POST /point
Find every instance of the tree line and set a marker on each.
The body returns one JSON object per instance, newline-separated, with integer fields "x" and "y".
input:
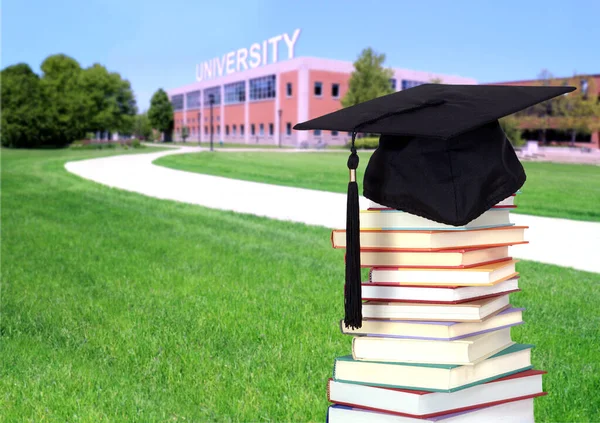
{"x": 63, "y": 104}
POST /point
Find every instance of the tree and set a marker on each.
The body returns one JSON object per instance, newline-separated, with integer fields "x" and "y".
{"x": 185, "y": 132}
{"x": 161, "y": 113}
{"x": 435, "y": 81}
{"x": 578, "y": 111}
{"x": 66, "y": 100}
{"x": 24, "y": 112}
{"x": 110, "y": 103}
{"x": 510, "y": 126}
{"x": 369, "y": 79}
{"x": 540, "y": 114}
{"x": 141, "y": 127}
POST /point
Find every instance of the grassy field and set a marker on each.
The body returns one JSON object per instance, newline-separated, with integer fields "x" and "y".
{"x": 555, "y": 190}
{"x": 118, "y": 307}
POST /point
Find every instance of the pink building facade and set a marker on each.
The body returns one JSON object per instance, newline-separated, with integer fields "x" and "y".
{"x": 261, "y": 105}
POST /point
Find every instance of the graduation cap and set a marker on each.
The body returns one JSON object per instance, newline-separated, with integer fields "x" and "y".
{"x": 442, "y": 155}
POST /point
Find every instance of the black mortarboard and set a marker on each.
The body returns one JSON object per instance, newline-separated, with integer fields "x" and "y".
{"x": 442, "y": 155}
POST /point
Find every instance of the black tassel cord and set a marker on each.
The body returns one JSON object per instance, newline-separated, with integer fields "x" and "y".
{"x": 352, "y": 290}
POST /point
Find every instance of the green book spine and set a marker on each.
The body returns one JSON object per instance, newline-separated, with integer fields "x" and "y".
{"x": 421, "y": 388}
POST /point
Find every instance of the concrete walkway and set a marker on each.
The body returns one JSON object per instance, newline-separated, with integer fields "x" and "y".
{"x": 562, "y": 242}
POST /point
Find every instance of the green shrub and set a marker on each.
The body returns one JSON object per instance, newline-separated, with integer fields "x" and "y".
{"x": 135, "y": 143}
{"x": 510, "y": 126}
{"x": 365, "y": 143}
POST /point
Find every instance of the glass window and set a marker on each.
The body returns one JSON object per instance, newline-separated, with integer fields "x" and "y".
{"x": 335, "y": 90}
{"x": 393, "y": 83}
{"x": 584, "y": 87}
{"x": 218, "y": 129}
{"x": 270, "y": 129}
{"x": 252, "y": 129}
{"x": 263, "y": 87}
{"x": 241, "y": 129}
{"x": 406, "y": 84}
{"x": 206, "y": 130}
{"x": 214, "y": 91}
{"x": 334, "y": 133}
{"x": 177, "y": 102}
{"x": 289, "y": 89}
{"x": 318, "y": 89}
{"x": 317, "y": 132}
{"x": 262, "y": 129}
{"x": 192, "y": 100}
{"x": 226, "y": 129}
{"x": 235, "y": 92}
{"x": 288, "y": 128}
{"x": 233, "y": 130}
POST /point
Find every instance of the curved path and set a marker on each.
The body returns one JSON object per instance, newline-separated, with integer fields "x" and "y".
{"x": 562, "y": 242}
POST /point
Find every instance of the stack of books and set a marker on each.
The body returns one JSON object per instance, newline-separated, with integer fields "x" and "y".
{"x": 435, "y": 342}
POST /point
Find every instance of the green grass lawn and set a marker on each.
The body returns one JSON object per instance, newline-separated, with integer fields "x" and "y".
{"x": 118, "y": 307}
{"x": 555, "y": 190}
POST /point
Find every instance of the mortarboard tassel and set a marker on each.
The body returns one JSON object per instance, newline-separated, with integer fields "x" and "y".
{"x": 352, "y": 290}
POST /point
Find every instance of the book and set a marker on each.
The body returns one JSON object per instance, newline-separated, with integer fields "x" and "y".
{"x": 433, "y": 240}
{"x": 448, "y": 331}
{"x": 520, "y": 411}
{"x": 472, "y": 311}
{"x": 463, "y": 258}
{"x": 508, "y": 202}
{"x": 436, "y": 294}
{"x": 396, "y": 219}
{"x": 433, "y": 377}
{"x": 465, "y": 351}
{"x": 483, "y": 275}
{"x": 424, "y": 404}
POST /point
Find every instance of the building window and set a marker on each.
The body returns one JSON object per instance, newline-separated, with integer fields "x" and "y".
{"x": 192, "y": 100}
{"x": 318, "y": 89}
{"x": 406, "y": 84}
{"x": 235, "y": 93}
{"x": 334, "y": 133}
{"x": 393, "y": 83}
{"x": 263, "y": 87}
{"x": 242, "y": 129}
{"x": 288, "y": 128}
{"x": 226, "y": 129}
{"x": 270, "y": 129}
{"x": 233, "y": 130}
{"x": 177, "y": 102}
{"x": 218, "y": 129}
{"x": 252, "y": 129}
{"x": 216, "y": 92}
{"x": 288, "y": 89}
{"x": 584, "y": 87}
{"x": 335, "y": 90}
{"x": 261, "y": 129}
{"x": 206, "y": 130}
{"x": 317, "y": 132}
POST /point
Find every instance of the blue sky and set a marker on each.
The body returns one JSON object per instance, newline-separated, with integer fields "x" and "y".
{"x": 158, "y": 43}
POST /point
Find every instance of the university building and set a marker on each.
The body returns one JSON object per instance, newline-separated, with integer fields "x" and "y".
{"x": 556, "y": 132}
{"x": 261, "y": 104}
